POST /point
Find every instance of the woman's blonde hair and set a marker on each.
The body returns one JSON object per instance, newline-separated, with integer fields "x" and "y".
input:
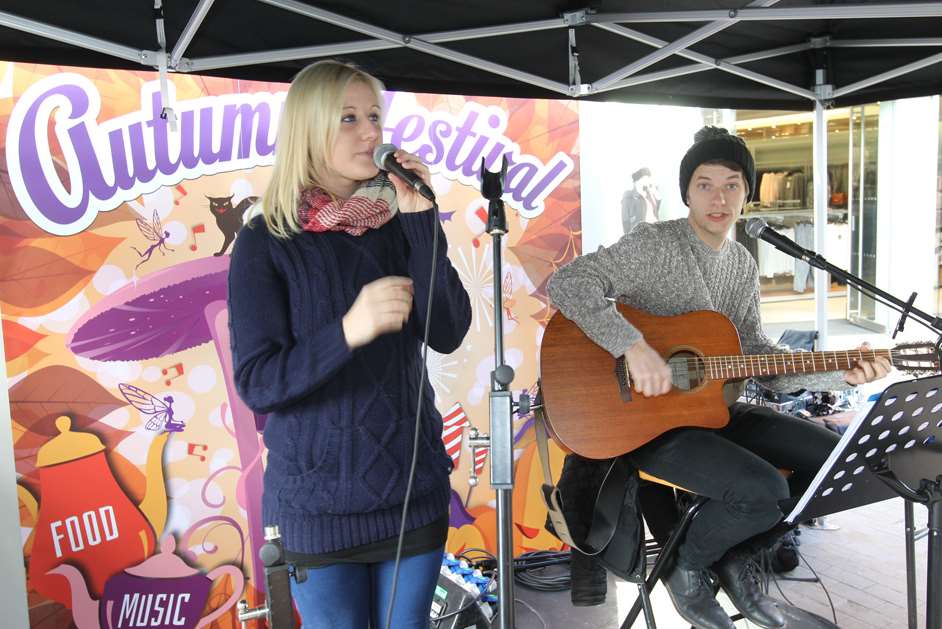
{"x": 309, "y": 123}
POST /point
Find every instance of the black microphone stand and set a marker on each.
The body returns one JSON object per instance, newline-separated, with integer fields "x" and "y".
{"x": 278, "y": 610}
{"x": 502, "y": 407}
{"x": 906, "y": 308}
{"x": 929, "y": 491}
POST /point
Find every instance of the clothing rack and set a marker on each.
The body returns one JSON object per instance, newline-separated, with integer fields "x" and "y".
{"x": 787, "y": 217}
{"x": 795, "y": 225}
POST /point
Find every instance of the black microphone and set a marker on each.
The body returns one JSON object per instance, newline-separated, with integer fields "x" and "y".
{"x": 384, "y": 160}
{"x": 758, "y": 228}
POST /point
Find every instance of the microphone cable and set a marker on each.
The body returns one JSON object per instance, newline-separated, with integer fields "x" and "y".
{"x": 530, "y": 571}
{"x": 418, "y": 422}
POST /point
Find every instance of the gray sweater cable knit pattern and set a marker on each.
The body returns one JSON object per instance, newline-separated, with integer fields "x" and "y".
{"x": 665, "y": 269}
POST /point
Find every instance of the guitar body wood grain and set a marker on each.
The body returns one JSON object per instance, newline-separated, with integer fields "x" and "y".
{"x": 583, "y": 406}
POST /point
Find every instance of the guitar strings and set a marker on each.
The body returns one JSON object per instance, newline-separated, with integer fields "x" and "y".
{"x": 804, "y": 357}
{"x": 900, "y": 356}
{"x": 719, "y": 366}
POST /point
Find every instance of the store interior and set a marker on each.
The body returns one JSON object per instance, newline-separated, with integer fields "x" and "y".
{"x": 782, "y": 145}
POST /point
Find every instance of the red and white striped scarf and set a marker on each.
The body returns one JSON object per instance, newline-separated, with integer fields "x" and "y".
{"x": 371, "y": 206}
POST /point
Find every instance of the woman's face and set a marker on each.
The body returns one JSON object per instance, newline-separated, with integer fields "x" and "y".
{"x": 351, "y": 158}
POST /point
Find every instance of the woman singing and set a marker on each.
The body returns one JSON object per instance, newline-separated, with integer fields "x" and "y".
{"x": 327, "y": 306}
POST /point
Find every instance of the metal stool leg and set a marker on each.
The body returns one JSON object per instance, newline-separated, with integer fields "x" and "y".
{"x": 660, "y": 566}
{"x": 646, "y": 605}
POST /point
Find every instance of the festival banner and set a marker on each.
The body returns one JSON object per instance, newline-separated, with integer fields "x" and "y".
{"x": 138, "y": 467}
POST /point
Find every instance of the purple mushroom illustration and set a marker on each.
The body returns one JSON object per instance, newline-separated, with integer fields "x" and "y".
{"x": 169, "y": 311}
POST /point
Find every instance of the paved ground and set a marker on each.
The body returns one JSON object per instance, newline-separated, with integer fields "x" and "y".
{"x": 862, "y": 565}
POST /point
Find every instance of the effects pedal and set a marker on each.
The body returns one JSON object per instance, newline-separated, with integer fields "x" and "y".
{"x": 463, "y": 597}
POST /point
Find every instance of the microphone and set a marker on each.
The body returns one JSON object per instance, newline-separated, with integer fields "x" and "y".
{"x": 758, "y": 228}
{"x": 384, "y": 160}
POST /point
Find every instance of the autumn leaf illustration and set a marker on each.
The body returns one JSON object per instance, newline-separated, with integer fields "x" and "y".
{"x": 218, "y": 596}
{"x": 20, "y": 231}
{"x": 9, "y": 205}
{"x": 120, "y": 214}
{"x": 86, "y": 250}
{"x": 18, "y": 339}
{"x": 31, "y": 277}
{"x": 546, "y": 245}
{"x": 25, "y": 362}
{"x": 39, "y": 398}
{"x": 46, "y": 614}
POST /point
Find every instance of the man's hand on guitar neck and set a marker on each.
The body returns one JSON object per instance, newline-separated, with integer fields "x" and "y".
{"x": 867, "y": 370}
{"x": 649, "y": 373}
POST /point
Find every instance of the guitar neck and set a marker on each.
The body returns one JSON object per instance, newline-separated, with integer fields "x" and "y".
{"x": 735, "y": 367}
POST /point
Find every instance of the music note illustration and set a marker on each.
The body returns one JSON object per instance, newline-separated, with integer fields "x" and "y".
{"x": 192, "y": 447}
{"x": 181, "y": 191}
{"x": 199, "y": 228}
{"x": 178, "y": 368}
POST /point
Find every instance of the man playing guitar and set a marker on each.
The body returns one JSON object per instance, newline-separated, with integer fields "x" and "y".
{"x": 679, "y": 266}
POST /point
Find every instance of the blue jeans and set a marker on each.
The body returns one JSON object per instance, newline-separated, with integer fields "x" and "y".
{"x": 356, "y": 595}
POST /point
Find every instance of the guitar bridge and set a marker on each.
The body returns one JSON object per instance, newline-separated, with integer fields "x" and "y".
{"x": 624, "y": 382}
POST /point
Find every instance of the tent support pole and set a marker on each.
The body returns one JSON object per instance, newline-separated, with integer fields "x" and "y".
{"x": 822, "y": 280}
{"x": 199, "y": 14}
{"x": 73, "y": 38}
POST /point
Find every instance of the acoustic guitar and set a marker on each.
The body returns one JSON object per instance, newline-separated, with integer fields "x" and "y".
{"x": 592, "y": 410}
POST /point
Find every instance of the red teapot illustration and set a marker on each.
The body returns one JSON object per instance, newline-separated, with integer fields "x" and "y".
{"x": 161, "y": 592}
{"x": 85, "y": 518}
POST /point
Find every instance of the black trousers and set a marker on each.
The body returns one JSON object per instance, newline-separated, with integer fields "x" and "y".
{"x": 737, "y": 468}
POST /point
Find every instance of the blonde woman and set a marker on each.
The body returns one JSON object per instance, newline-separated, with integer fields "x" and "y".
{"x": 327, "y": 299}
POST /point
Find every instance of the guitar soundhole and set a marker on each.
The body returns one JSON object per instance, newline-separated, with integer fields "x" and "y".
{"x": 687, "y": 370}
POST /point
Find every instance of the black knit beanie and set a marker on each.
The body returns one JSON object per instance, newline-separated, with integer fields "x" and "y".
{"x": 715, "y": 143}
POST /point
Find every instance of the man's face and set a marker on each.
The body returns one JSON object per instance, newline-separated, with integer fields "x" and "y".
{"x": 716, "y": 195}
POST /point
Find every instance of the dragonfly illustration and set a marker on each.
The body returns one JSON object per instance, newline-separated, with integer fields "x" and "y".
{"x": 154, "y": 232}
{"x": 160, "y": 411}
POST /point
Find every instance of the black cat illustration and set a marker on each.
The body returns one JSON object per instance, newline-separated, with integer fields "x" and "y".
{"x": 228, "y": 218}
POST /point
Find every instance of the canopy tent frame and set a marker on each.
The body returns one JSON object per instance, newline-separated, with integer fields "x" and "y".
{"x": 428, "y": 43}
{"x": 609, "y": 84}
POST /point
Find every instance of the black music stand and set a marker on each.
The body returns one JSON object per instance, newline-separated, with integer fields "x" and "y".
{"x": 892, "y": 449}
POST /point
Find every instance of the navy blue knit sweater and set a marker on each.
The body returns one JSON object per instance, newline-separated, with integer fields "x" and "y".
{"x": 341, "y": 422}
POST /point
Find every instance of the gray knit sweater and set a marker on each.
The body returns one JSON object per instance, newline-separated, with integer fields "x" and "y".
{"x": 665, "y": 269}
